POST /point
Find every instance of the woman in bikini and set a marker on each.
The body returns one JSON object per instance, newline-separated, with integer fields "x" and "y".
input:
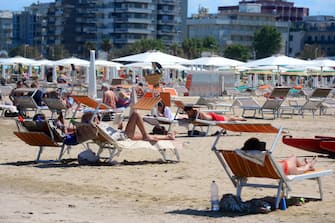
{"x": 290, "y": 165}
{"x": 192, "y": 113}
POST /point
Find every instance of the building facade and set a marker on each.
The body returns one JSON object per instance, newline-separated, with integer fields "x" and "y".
{"x": 6, "y": 30}
{"x": 313, "y": 30}
{"x": 236, "y": 27}
{"x": 281, "y": 9}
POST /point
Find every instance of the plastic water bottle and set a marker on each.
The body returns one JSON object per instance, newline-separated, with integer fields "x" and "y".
{"x": 214, "y": 197}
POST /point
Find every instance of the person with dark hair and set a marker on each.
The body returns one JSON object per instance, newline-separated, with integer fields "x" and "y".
{"x": 139, "y": 90}
{"x": 291, "y": 165}
{"x": 38, "y": 94}
{"x": 164, "y": 111}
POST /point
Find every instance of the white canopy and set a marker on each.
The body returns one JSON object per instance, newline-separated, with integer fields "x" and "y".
{"x": 153, "y": 56}
{"x": 44, "y": 62}
{"x": 72, "y": 60}
{"x": 277, "y": 60}
{"x": 17, "y": 60}
{"x": 322, "y": 62}
{"x": 106, "y": 63}
{"x": 149, "y": 66}
{"x": 215, "y": 61}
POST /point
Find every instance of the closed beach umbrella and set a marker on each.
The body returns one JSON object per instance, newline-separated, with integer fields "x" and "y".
{"x": 92, "y": 83}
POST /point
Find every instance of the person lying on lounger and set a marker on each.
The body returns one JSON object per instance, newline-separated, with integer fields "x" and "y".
{"x": 291, "y": 165}
{"x": 192, "y": 113}
{"x": 135, "y": 120}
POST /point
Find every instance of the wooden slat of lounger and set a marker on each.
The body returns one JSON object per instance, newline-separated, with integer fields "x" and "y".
{"x": 244, "y": 168}
{"x": 36, "y": 139}
{"x": 89, "y": 102}
{"x": 179, "y": 104}
{"x": 249, "y": 127}
{"x": 146, "y": 103}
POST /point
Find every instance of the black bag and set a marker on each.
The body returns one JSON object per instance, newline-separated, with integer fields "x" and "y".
{"x": 159, "y": 130}
{"x": 11, "y": 114}
{"x": 107, "y": 116}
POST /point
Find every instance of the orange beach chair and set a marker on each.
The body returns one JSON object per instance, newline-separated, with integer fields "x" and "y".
{"x": 242, "y": 171}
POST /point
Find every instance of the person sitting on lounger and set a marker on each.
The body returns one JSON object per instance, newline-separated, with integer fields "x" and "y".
{"x": 291, "y": 165}
{"x": 192, "y": 113}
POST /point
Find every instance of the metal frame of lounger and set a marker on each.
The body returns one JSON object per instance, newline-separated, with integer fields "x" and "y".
{"x": 240, "y": 170}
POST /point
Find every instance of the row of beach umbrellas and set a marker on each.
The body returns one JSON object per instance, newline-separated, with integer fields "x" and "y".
{"x": 144, "y": 60}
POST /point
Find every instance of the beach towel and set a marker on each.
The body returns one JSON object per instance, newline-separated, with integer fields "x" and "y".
{"x": 255, "y": 156}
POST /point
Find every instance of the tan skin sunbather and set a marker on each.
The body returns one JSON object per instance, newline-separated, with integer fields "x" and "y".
{"x": 291, "y": 165}
{"x": 134, "y": 120}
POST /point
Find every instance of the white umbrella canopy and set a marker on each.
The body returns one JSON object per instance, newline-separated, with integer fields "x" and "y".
{"x": 277, "y": 60}
{"x": 149, "y": 66}
{"x": 107, "y": 63}
{"x": 153, "y": 56}
{"x": 215, "y": 61}
{"x": 322, "y": 62}
{"x": 17, "y": 60}
{"x": 72, "y": 60}
{"x": 44, "y": 62}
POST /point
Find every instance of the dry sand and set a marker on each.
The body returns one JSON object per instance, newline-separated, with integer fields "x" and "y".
{"x": 144, "y": 189}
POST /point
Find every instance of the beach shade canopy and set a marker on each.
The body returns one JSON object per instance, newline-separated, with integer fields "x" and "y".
{"x": 153, "y": 56}
{"x": 106, "y": 63}
{"x": 277, "y": 60}
{"x": 216, "y": 61}
{"x": 147, "y": 65}
{"x": 322, "y": 62}
{"x": 17, "y": 60}
{"x": 44, "y": 62}
{"x": 72, "y": 60}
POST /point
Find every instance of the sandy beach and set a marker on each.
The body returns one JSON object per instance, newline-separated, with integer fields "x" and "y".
{"x": 140, "y": 188}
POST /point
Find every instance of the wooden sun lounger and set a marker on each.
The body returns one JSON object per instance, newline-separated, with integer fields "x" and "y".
{"x": 241, "y": 171}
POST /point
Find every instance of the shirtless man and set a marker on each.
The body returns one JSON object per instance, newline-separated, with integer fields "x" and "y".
{"x": 109, "y": 98}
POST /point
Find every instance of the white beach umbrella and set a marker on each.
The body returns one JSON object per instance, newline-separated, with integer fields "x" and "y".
{"x": 215, "y": 61}
{"x": 277, "y": 60}
{"x": 106, "y": 63}
{"x": 92, "y": 83}
{"x": 17, "y": 60}
{"x": 322, "y": 62}
{"x": 72, "y": 60}
{"x": 153, "y": 56}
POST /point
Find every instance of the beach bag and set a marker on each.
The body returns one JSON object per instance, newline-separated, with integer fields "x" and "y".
{"x": 107, "y": 116}
{"x": 87, "y": 157}
{"x": 8, "y": 113}
{"x": 232, "y": 203}
{"x": 159, "y": 130}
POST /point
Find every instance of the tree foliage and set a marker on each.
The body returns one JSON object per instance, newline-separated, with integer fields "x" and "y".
{"x": 145, "y": 45}
{"x": 106, "y": 45}
{"x": 267, "y": 41}
{"x": 25, "y": 50}
{"x": 237, "y": 52}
